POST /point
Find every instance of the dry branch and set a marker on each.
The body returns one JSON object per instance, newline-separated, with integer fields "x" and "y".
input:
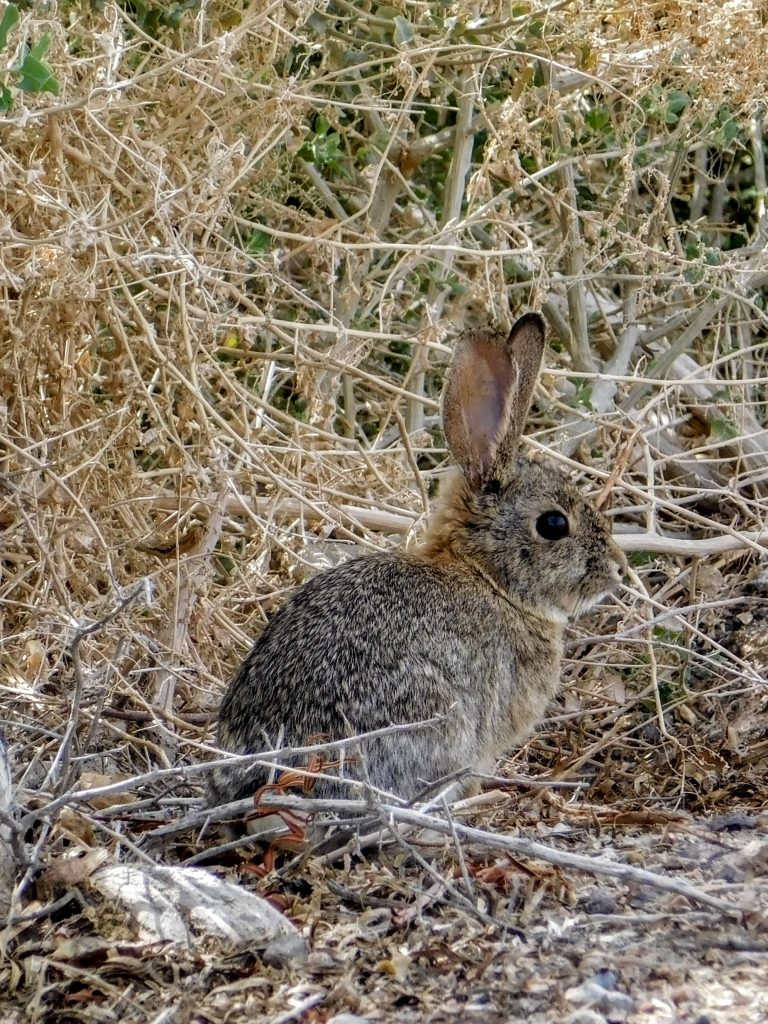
{"x": 394, "y": 817}
{"x": 8, "y": 859}
{"x": 389, "y": 522}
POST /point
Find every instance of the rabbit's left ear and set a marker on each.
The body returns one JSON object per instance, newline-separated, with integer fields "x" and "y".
{"x": 488, "y": 395}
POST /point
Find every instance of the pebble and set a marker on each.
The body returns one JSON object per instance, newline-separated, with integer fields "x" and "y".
{"x": 597, "y": 902}
{"x": 733, "y": 821}
{"x": 285, "y": 951}
{"x": 593, "y": 995}
{"x": 606, "y": 979}
{"x": 586, "y": 1017}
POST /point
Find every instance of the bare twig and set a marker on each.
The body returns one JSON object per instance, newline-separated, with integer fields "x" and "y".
{"x": 9, "y": 859}
{"x": 402, "y": 816}
{"x": 186, "y": 772}
{"x": 60, "y": 768}
{"x": 455, "y": 186}
{"x": 190, "y": 573}
{"x": 573, "y": 257}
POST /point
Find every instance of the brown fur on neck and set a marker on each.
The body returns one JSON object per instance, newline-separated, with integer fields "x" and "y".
{"x": 449, "y": 520}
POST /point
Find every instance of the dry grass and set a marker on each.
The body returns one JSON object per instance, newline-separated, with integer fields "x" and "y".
{"x": 223, "y": 335}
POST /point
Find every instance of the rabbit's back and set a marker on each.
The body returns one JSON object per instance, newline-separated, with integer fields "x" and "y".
{"x": 382, "y": 640}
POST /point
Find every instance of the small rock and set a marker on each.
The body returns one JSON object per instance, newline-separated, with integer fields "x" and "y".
{"x": 641, "y": 899}
{"x": 184, "y": 905}
{"x": 320, "y": 961}
{"x": 598, "y": 902}
{"x": 594, "y": 996}
{"x": 347, "y": 1018}
{"x": 748, "y": 862}
{"x": 618, "y": 1005}
{"x": 734, "y": 821}
{"x": 730, "y": 873}
{"x": 606, "y": 979}
{"x": 586, "y": 1017}
{"x": 285, "y": 951}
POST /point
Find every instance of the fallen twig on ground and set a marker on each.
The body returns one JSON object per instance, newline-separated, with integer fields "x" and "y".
{"x": 396, "y": 817}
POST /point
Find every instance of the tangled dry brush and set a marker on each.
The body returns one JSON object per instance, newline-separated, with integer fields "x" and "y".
{"x": 237, "y": 242}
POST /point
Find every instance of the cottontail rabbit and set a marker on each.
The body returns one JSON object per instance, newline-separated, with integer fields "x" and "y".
{"x": 469, "y": 625}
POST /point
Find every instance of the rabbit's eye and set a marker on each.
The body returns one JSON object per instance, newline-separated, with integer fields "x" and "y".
{"x": 552, "y": 525}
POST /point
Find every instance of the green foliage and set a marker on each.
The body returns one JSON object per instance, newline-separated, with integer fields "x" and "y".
{"x": 32, "y": 74}
{"x": 670, "y": 694}
{"x": 583, "y": 394}
{"x": 7, "y": 22}
{"x": 723, "y": 429}
{"x": 640, "y": 559}
{"x": 402, "y": 32}
{"x": 257, "y": 243}
{"x": 724, "y": 129}
{"x": 664, "y": 106}
{"x": 152, "y": 16}
{"x": 35, "y": 74}
{"x": 325, "y": 149}
{"x": 598, "y": 119}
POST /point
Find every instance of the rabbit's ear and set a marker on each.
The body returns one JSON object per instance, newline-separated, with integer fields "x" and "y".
{"x": 487, "y": 397}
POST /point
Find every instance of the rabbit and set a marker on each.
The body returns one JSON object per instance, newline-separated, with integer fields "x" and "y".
{"x": 468, "y": 626}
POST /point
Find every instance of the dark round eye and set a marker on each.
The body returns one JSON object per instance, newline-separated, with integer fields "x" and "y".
{"x": 552, "y": 525}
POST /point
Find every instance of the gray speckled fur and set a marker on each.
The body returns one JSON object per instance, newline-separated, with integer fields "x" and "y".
{"x": 381, "y": 671}
{"x": 468, "y": 626}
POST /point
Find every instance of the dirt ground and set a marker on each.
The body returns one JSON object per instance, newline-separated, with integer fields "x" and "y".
{"x": 488, "y": 938}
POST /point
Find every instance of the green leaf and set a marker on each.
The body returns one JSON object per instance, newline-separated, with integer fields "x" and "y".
{"x": 41, "y": 47}
{"x": 36, "y": 75}
{"x": 669, "y": 636}
{"x": 226, "y": 564}
{"x": 258, "y": 243}
{"x": 722, "y": 429}
{"x": 637, "y": 559}
{"x": 583, "y": 394}
{"x": 10, "y": 17}
{"x": 677, "y": 101}
{"x": 598, "y": 118}
{"x": 5, "y": 99}
{"x": 730, "y": 131}
{"x": 694, "y": 275}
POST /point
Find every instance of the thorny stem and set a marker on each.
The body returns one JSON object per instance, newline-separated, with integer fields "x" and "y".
{"x": 573, "y": 259}
{"x": 61, "y": 763}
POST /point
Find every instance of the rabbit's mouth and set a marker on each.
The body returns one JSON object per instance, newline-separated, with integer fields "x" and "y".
{"x": 602, "y": 589}
{"x": 564, "y": 612}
